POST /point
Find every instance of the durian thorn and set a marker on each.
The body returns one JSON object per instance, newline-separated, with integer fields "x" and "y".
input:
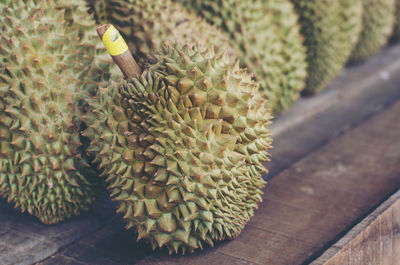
{"x": 117, "y": 48}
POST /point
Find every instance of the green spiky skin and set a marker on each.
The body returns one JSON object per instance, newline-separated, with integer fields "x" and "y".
{"x": 269, "y": 40}
{"x": 183, "y": 146}
{"x": 46, "y": 52}
{"x": 331, "y": 30}
{"x": 377, "y": 26}
{"x": 146, "y": 25}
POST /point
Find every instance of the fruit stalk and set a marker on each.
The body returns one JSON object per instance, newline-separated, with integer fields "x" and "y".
{"x": 118, "y": 49}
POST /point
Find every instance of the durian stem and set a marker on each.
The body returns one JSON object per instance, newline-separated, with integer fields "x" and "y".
{"x": 118, "y": 50}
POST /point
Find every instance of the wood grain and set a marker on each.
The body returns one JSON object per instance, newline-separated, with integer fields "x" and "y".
{"x": 375, "y": 240}
{"x": 312, "y": 203}
{"x": 378, "y": 244}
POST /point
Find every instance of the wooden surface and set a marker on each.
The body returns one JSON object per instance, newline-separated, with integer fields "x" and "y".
{"x": 375, "y": 240}
{"x": 315, "y": 201}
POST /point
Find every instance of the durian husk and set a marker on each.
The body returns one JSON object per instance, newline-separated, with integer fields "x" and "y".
{"x": 268, "y": 37}
{"x": 377, "y": 26}
{"x": 183, "y": 147}
{"x": 147, "y": 25}
{"x": 47, "y": 52}
{"x": 331, "y": 30}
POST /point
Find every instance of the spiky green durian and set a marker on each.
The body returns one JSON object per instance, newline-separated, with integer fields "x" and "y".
{"x": 146, "y": 25}
{"x": 46, "y": 54}
{"x": 377, "y": 26}
{"x": 183, "y": 146}
{"x": 268, "y": 37}
{"x": 331, "y": 30}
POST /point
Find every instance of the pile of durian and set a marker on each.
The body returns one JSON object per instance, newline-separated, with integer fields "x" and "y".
{"x": 182, "y": 145}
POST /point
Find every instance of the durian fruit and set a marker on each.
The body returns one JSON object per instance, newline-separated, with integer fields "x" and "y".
{"x": 182, "y": 146}
{"x": 331, "y": 30}
{"x": 46, "y": 53}
{"x": 377, "y": 26}
{"x": 146, "y": 25}
{"x": 268, "y": 37}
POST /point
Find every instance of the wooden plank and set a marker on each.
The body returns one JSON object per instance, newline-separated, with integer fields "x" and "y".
{"x": 209, "y": 256}
{"x": 375, "y": 240}
{"x": 309, "y": 205}
{"x": 378, "y": 244}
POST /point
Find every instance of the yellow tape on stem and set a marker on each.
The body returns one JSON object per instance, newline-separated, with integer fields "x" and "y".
{"x": 114, "y": 42}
